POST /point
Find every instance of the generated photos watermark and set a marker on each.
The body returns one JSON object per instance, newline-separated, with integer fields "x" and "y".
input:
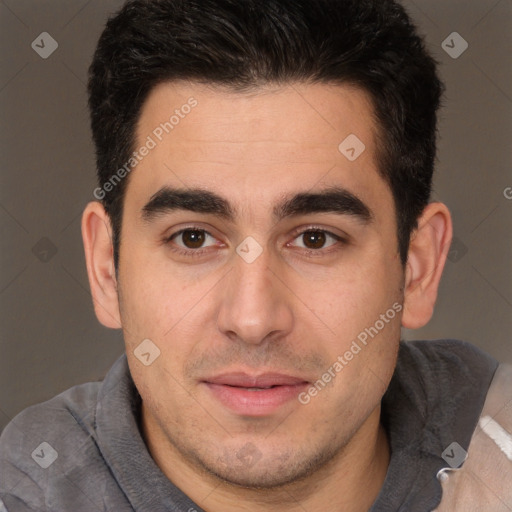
{"x": 151, "y": 143}
{"x": 343, "y": 360}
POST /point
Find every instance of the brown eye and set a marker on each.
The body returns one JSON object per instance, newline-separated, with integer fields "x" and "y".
{"x": 193, "y": 238}
{"x": 193, "y": 241}
{"x": 314, "y": 239}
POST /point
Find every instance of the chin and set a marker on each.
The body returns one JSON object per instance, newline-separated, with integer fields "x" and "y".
{"x": 251, "y": 468}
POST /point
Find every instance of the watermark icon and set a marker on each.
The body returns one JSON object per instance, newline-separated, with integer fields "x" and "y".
{"x": 352, "y": 147}
{"x": 343, "y": 360}
{"x": 507, "y": 193}
{"x": 44, "y": 250}
{"x": 45, "y": 455}
{"x": 44, "y": 45}
{"x": 249, "y": 250}
{"x": 248, "y": 455}
{"x": 151, "y": 143}
{"x": 454, "y": 455}
{"x": 457, "y": 250}
{"x": 147, "y": 352}
{"x": 454, "y": 45}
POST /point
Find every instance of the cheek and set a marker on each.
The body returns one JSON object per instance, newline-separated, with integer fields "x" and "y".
{"x": 143, "y": 299}
{"x": 159, "y": 306}
{"x": 353, "y": 296}
{"x": 149, "y": 288}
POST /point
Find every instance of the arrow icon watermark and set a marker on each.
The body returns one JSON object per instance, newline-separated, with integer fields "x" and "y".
{"x": 249, "y": 250}
{"x": 147, "y": 352}
{"x": 455, "y": 45}
{"x": 454, "y": 455}
{"x": 45, "y": 455}
{"x": 352, "y": 147}
{"x": 44, "y": 45}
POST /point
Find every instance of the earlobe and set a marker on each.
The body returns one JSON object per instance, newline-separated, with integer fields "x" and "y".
{"x": 428, "y": 250}
{"x": 97, "y": 239}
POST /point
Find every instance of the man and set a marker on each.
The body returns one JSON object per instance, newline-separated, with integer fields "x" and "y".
{"x": 262, "y": 232}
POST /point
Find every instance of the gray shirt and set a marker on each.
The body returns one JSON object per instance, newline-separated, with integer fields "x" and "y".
{"x": 82, "y": 451}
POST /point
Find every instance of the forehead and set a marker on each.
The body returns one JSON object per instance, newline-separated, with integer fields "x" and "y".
{"x": 306, "y": 114}
{"x": 259, "y": 144}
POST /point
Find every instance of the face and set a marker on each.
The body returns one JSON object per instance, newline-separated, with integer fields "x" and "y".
{"x": 260, "y": 258}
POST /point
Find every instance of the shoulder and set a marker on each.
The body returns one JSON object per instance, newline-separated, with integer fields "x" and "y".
{"x": 447, "y": 352}
{"x": 438, "y": 389}
{"x": 51, "y": 457}
{"x": 483, "y": 482}
{"x": 445, "y": 364}
{"x": 28, "y": 454}
{"x": 71, "y": 410}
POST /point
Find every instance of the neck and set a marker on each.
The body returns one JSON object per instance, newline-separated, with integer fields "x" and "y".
{"x": 350, "y": 481}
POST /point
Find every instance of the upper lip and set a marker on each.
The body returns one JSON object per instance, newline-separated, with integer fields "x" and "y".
{"x": 265, "y": 380}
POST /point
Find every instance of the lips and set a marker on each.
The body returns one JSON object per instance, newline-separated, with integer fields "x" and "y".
{"x": 254, "y": 395}
{"x": 267, "y": 380}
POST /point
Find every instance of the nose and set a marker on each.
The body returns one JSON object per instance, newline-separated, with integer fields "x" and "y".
{"x": 255, "y": 305}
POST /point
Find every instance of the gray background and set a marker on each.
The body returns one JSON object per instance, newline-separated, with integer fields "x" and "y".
{"x": 50, "y": 338}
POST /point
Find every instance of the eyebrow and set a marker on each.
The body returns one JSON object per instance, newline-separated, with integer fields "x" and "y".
{"x": 331, "y": 200}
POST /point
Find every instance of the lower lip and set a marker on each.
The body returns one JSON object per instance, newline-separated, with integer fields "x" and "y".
{"x": 255, "y": 403}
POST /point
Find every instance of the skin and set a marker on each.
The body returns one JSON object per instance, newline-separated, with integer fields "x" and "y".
{"x": 293, "y": 310}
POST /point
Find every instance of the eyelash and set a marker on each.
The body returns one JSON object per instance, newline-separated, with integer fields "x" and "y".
{"x": 187, "y": 252}
{"x": 312, "y": 253}
{"x": 301, "y": 231}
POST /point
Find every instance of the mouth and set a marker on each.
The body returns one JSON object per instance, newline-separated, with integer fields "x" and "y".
{"x": 251, "y": 395}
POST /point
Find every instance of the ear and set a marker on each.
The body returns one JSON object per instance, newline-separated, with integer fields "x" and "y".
{"x": 97, "y": 238}
{"x": 428, "y": 250}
